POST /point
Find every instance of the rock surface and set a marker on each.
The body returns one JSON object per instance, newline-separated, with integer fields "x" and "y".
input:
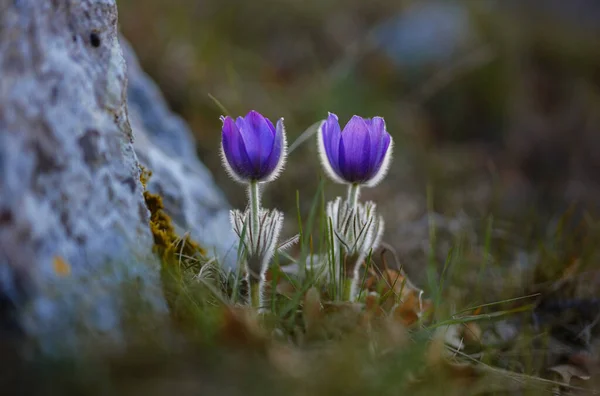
{"x": 165, "y": 145}
{"x": 73, "y": 224}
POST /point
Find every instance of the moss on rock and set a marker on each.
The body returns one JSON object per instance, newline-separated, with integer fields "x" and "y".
{"x": 167, "y": 244}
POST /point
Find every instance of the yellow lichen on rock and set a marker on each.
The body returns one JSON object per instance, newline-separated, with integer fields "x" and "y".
{"x": 145, "y": 175}
{"x": 61, "y": 266}
{"x": 167, "y": 244}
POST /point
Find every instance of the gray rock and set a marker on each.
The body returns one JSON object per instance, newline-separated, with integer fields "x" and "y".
{"x": 74, "y": 234}
{"x": 426, "y": 33}
{"x": 165, "y": 145}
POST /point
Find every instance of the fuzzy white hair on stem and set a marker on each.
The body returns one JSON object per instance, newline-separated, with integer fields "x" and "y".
{"x": 358, "y": 231}
{"x": 377, "y": 234}
{"x": 260, "y": 244}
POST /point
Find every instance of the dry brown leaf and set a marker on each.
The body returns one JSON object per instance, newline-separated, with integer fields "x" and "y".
{"x": 393, "y": 334}
{"x": 372, "y": 301}
{"x": 464, "y": 373}
{"x": 436, "y": 351}
{"x": 387, "y": 281}
{"x": 426, "y": 309}
{"x": 288, "y": 360}
{"x": 350, "y": 316}
{"x": 584, "y": 360}
{"x": 283, "y": 286}
{"x": 411, "y": 308}
{"x": 351, "y": 308}
{"x": 471, "y": 333}
{"x": 312, "y": 310}
{"x": 405, "y": 314}
{"x": 401, "y": 298}
{"x": 372, "y": 305}
{"x": 241, "y": 327}
{"x": 438, "y": 356}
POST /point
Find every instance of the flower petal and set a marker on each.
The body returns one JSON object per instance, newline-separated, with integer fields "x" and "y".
{"x": 328, "y": 152}
{"x": 377, "y": 132}
{"x": 384, "y": 164}
{"x": 385, "y": 145}
{"x": 234, "y": 149}
{"x": 355, "y": 147}
{"x": 271, "y": 126}
{"x": 331, "y": 140}
{"x": 258, "y": 135}
{"x": 277, "y": 150}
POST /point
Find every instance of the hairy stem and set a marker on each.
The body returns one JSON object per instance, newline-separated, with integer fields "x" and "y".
{"x": 255, "y": 291}
{"x": 353, "y": 193}
{"x": 254, "y": 198}
{"x": 352, "y": 202}
{"x": 254, "y": 279}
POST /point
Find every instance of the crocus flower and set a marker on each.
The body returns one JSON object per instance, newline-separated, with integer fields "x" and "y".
{"x": 360, "y": 154}
{"x": 252, "y": 149}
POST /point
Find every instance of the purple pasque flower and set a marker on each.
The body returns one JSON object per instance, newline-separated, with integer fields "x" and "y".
{"x": 360, "y": 154}
{"x": 252, "y": 149}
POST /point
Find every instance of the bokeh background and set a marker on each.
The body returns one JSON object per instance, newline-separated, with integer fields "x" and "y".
{"x": 494, "y": 105}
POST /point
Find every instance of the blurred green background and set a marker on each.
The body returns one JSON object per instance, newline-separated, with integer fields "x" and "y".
{"x": 493, "y": 104}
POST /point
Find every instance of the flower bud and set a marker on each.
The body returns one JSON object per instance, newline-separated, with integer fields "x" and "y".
{"x": 252, "y": 149}
{"x": 360, "y": 154}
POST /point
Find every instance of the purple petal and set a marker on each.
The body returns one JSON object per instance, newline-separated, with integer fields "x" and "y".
{"x": 385, "y": 145}
{"x": 377, "y": 133}
{"x": 355, "y": 150}
{"x": 271, "y": 126}
{"x": 331, "y": 140}
{"x": 234, "y": 149}
{"x": 277, "y": 150}
{"x": 258, "y": 135}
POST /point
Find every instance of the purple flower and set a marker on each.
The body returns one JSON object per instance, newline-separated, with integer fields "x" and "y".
{"x": 360, "y": 154}
{"x": 252, "y": 149}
